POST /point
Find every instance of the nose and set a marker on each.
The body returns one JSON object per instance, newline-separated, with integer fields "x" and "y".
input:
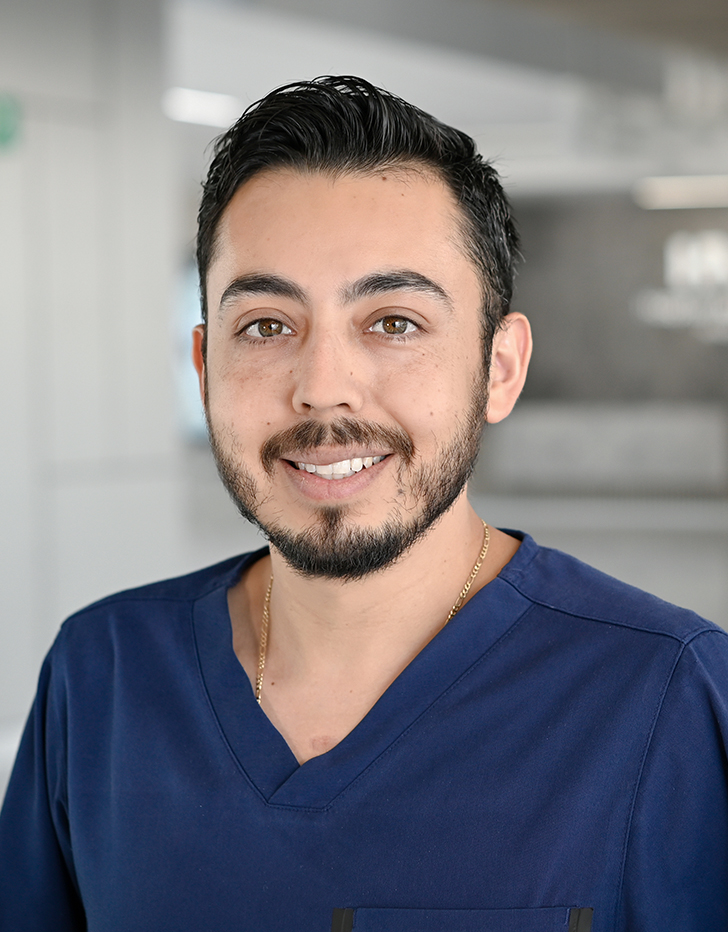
{"x": 329, "y": 375}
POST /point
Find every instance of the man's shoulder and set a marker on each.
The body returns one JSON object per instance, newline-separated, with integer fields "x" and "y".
{"x": 179, "y": 590}
{"x": 564, "y": 584}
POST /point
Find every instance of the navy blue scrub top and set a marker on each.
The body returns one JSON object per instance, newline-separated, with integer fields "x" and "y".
{"x": 557, "y": 749}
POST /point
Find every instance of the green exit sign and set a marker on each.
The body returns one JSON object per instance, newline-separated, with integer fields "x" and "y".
{"x": 9, "y": 120}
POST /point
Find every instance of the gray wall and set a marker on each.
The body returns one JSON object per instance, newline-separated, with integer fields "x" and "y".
{"x": 585, "y": 260}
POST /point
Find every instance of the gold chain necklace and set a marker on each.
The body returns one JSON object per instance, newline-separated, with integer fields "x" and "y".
{"x": 266, "y": 611}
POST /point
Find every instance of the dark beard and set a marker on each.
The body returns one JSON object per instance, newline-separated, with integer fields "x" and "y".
{"x": 331, "y": 548}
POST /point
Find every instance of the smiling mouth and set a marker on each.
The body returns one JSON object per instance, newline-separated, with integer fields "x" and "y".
{"x": 341, "y": 470}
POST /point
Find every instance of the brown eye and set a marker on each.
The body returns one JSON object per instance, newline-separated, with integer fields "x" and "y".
{"x": 394, "y": 324}
{"x": 269, "y": 328}
{"x": 266, "y": 327}
{"x": 397, "y": 326}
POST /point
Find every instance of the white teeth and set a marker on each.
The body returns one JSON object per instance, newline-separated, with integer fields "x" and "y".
{"x": 343, "y": 469}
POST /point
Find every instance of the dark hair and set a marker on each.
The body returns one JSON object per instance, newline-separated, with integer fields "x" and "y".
{"x": 342, "y": 124}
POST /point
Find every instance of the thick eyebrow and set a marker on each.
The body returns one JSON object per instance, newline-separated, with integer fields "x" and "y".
{"x": 259, "y": 283}
{"x": 380, "y": 283}
{"x": 372, "y": 285}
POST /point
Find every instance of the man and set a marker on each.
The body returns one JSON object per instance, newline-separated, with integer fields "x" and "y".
{"x": 397, "y": 718}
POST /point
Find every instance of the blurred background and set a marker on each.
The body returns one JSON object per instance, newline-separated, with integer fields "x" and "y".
{"x": 608, "y": 120}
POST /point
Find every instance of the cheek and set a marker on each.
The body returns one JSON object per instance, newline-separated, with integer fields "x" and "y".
{"x": 428, "y": 396}
{"x": 244, "y": 386}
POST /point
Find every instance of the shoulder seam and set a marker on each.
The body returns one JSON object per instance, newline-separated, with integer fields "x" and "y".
{"x": 706, "y": 628}
{"x": 149, "y": 593}
{"x": 122, "y": 599}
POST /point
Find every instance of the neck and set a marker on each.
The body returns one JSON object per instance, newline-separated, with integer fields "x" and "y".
{"x": 350, "y": 639}
{"x": 406, "y": 603}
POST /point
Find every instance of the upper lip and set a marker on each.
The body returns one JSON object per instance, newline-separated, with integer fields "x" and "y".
{"x": 323, "y": 457}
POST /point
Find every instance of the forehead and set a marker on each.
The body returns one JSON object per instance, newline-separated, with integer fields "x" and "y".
{"x": 294, "y": 222}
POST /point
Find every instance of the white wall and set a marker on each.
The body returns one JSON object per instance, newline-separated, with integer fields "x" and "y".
{"x": 90, "y": 482}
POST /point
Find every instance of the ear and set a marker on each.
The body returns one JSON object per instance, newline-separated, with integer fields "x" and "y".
{"x": 198, "y": 358}
{"x": 508, "y": 366}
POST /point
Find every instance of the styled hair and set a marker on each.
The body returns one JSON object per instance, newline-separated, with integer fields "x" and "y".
{"x": 345, "y": 125}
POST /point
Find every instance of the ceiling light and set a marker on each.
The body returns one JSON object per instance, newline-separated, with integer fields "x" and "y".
{"x": 682, "y": 192}
{"x": 202, "y": 107}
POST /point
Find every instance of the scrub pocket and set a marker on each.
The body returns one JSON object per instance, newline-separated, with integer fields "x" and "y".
{"x": 550, "y": 919}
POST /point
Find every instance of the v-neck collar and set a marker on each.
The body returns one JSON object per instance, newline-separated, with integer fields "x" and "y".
{"x": 261, "y": 751}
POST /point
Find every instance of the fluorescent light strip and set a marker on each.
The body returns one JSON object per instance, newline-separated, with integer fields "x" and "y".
{"x": 202, "y": 107}
{"x": 682, "y": 192}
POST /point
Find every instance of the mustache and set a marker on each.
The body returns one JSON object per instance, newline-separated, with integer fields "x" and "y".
{"x": 343, "y": 431}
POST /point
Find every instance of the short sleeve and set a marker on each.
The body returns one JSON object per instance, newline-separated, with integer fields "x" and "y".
{"x": 676, "y": 863}
{"x": 38, "y": 891}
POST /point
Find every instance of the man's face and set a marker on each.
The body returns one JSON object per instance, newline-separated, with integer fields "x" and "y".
{"x": 344, "y": 381}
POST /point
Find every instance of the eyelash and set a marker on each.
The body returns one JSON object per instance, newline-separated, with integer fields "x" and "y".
{"x": 259, "y": 337}
{"x": 286, "y": 330}
{"x": 395, "y": 336}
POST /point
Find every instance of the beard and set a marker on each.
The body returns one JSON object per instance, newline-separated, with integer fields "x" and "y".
{"x": 333, "y": 547}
